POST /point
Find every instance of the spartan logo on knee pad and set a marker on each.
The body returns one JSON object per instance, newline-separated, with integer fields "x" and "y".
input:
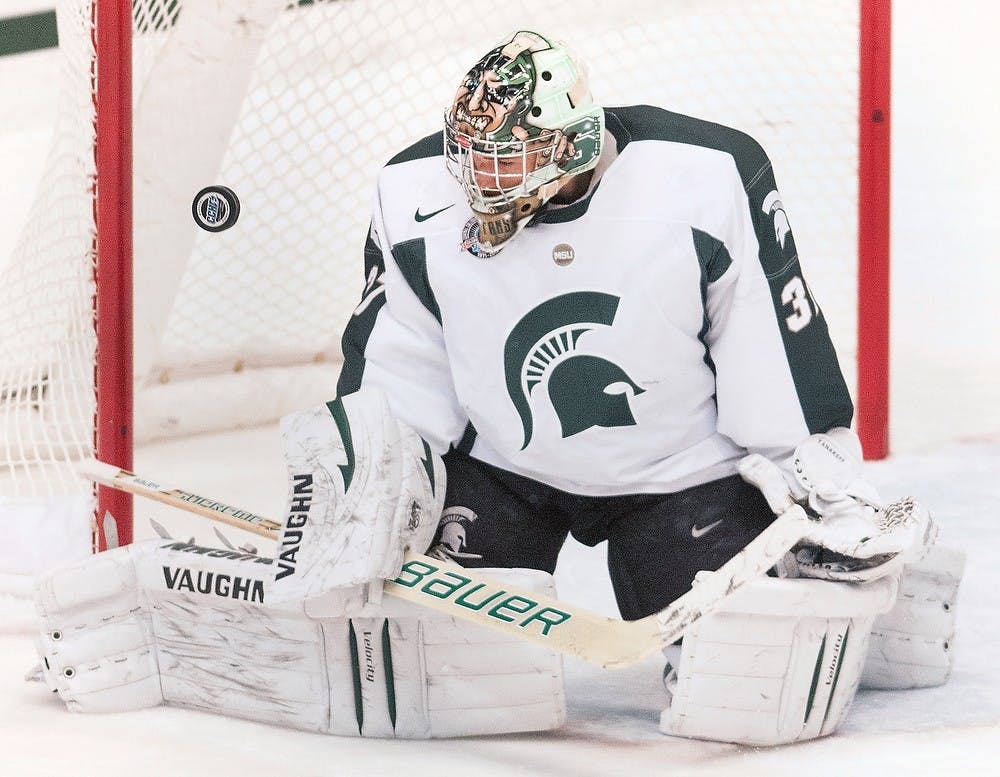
{"x": 450, "y": 541}
{"x": 544, "y": 343}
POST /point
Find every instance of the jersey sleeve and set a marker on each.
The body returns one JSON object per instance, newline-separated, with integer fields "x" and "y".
{"x": 778, "y": 378}
{"x": 394, "y": 342}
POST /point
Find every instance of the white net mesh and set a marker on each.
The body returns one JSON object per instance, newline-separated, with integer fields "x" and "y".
{"x": 296, "y": 107}
{"x": 46, "y": 287}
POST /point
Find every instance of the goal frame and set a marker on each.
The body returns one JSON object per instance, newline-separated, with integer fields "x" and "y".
{"x": 111, "y": 77}
{"x": 874, "y": 147}
{"x": 112, "y": 88}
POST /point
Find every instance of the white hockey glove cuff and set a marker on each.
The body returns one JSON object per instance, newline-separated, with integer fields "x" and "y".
{"x": 857, "y": 537}
{"x": 363, "y": 489}
{"x": 179, "y": 624}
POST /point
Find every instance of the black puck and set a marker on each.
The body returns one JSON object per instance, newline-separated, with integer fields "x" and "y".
{"x": 215, "y": 208}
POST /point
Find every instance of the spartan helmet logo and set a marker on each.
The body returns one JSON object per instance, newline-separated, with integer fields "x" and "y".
{"x": 543, "y": 345}
{"x": 772, "y": 207}
{"x": 453, "y": 524}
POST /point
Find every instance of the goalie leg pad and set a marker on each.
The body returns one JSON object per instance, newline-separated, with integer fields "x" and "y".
{"x": 780, "y": 663}
{"x": 177, "y": 623}
{"x": 397, "y": 675}
{"x": 96, "y": 642}
{"x": 912, "y": 645}
{"x": 189, "y": 626}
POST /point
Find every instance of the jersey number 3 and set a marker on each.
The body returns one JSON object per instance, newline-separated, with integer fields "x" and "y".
{"x": 796, "y": 295}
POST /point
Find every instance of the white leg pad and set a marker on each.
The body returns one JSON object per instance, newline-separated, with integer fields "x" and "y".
{"x": 912, "y": 645}
{"x": 435, "y": 676}
{"x": 780, "y": 663}
{"x": 96, "y": 628}
{"x": 173, "y": 623}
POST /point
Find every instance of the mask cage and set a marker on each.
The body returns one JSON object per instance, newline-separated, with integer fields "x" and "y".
{"x": 483, "y": 168}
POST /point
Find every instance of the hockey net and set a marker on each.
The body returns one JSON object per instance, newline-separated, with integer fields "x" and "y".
{"x": 295, "y": 105}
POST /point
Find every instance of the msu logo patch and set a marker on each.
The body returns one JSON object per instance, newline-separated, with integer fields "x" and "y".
{"x": 544, "y": 347}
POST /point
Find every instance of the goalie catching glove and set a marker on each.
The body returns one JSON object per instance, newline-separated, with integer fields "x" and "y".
{"x": 363, "y": 489}
{"x": 857, "y": 537}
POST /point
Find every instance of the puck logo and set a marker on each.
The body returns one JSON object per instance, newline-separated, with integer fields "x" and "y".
{"x": 215, "y": 208}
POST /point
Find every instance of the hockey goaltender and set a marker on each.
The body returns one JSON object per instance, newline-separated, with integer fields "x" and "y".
{"x": 576, "y": 319}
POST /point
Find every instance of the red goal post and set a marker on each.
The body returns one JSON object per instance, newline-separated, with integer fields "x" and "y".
{"x": 874, "y": 157}
{"x": 295, "y": 104}
{"x": 112, "y": 191}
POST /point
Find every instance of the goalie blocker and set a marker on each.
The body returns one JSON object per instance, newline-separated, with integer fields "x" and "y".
{"x": 174, "y": 623}
{"x": 363, "y": 489}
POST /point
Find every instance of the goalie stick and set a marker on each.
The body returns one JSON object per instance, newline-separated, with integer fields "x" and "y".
{"x": 470, "y": 595}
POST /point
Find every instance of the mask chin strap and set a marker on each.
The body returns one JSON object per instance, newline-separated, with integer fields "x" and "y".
{"x": 499, "y": 224}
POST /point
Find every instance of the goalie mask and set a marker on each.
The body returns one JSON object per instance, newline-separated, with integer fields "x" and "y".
{"x": 522, "y": 122}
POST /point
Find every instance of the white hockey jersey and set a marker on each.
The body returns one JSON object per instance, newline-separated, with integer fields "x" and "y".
{"x": 640, "y": 340}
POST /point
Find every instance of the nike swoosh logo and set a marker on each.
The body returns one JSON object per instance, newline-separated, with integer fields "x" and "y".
{"x": 698, "y": 531}
{"x": 418, "y": 216}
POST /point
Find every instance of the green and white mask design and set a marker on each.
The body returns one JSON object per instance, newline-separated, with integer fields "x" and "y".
{"x": 522, "y": 121}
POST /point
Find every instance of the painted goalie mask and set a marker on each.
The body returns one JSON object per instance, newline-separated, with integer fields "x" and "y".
{"x": 522, "y": 122}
